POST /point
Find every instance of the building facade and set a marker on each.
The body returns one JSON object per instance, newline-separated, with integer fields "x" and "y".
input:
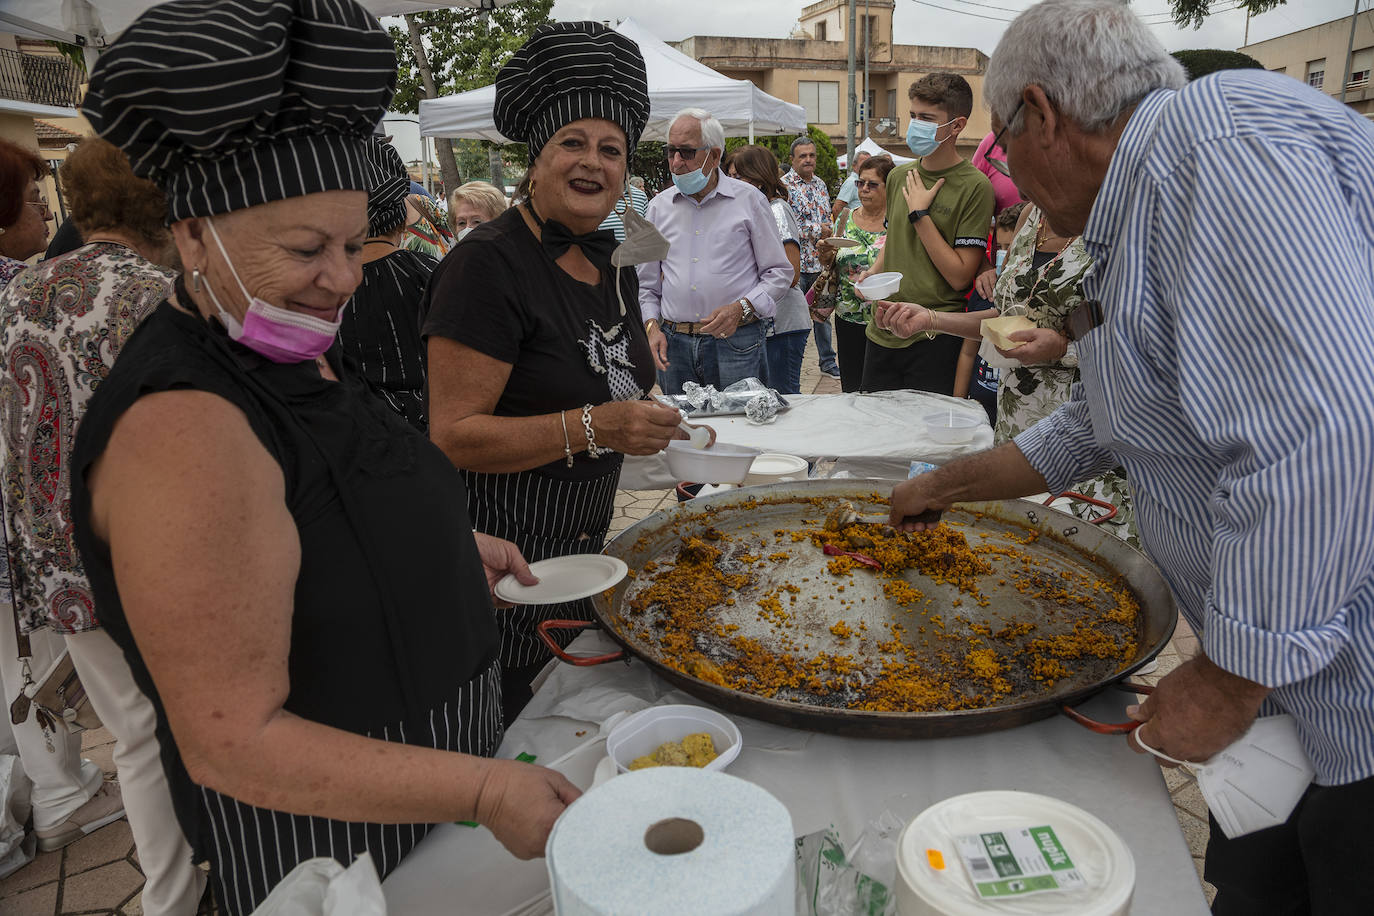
{"x": 1317, "y": 57}
{"x": 811, "y": 69}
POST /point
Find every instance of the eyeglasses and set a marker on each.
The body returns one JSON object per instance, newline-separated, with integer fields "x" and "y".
{"x": 868, "y": 185}
{"x": 688, "y": 153}
{"x": 1001, "y": 164}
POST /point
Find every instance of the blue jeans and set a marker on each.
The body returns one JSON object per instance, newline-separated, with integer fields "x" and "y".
{"x": 785, "y": 352}
{"x": 711, "y": 361}
{"x": 825, "y": 350}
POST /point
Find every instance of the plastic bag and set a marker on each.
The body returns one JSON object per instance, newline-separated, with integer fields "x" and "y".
{"x": 323, "y": 887}
{"x": 862, "y": 881}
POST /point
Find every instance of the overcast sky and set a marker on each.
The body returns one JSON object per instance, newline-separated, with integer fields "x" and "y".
{"x": 978, "y": 25}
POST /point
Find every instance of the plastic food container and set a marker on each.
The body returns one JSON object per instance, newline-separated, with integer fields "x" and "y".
{"x": 643, "y": 732}
{"x": 772, "y": 467}
{"x": 721, "y": 463}
{"x": 950, "y": 427}
{"x": 880, "y": 286}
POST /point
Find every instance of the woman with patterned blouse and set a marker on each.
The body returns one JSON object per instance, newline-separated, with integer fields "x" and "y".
{"x": 1042, "y": 278}
{"x": 62, "y": 325}
{"x": 867, "y": 225}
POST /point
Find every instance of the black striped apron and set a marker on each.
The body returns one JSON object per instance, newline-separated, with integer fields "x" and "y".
{"x": 253, "y": 848}
{"x": 545, "y": 518}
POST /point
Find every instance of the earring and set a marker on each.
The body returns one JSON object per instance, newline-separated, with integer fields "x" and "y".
{"x": 195, "y": 279}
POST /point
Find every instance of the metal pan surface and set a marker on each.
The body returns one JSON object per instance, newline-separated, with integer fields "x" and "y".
{"x": 788, "y": 601}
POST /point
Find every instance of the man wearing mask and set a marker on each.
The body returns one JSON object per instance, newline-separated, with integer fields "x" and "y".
{"x": 810, "y": 200}
{"x": 725, "y": 268}
{"x": 938, "y": 211}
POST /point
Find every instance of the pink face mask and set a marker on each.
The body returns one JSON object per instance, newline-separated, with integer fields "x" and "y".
{"x": 279, "y": 334}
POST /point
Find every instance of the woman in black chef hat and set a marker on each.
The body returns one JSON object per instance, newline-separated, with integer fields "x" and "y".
{"x": 538, "y": 361}
{"x": 286, "y": 563}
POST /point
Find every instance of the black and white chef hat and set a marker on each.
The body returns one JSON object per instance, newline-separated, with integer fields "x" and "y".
{"x": 568, "y": 71}
{"x": 387, "y": 188}
{"x": 226, "y": 104}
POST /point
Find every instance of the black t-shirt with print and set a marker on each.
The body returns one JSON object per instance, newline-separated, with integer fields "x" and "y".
{"x": 500, "y": 293}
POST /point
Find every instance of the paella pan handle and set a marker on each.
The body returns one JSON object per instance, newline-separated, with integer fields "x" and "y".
{"x": 1090, "y": 500}
{"x": 1108, "y": 728}
{"x": 544, "y": 629}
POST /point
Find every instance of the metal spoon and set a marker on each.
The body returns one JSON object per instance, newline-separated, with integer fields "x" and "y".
{"x": 845, "y": 514}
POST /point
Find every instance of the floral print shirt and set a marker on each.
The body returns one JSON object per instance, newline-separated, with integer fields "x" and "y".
{"x": 849, "y": 262}
{"x": 1028, "y": 394}
{"x": 62, "y": 324}
{"x": 811, "y": 202}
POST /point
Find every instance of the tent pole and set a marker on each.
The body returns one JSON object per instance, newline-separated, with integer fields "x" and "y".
{"x": 851, "y": 115}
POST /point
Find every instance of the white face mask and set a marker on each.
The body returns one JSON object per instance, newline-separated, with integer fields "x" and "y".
{"x": 1256, "y": 782}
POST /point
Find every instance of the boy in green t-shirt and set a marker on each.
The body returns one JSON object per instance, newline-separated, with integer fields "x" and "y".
{"x": 938, "y": 212}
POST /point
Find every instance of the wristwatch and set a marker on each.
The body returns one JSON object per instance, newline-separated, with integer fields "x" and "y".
{"x": 746, "y": 310}
{"x": 915, "y": 216}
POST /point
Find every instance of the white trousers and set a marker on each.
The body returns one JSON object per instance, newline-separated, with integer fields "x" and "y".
{"x": 173, "y": 884}
{"x": 62, "y": 781}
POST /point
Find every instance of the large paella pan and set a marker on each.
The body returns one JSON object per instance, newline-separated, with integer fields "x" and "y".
{"x": 1006, "y": 613}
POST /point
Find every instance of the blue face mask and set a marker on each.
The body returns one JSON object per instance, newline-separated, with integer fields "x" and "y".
{"x": 694, "y": 181}
{"x": 920, "y": 136}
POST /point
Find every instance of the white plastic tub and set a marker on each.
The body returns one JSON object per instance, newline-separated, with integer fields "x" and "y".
{"x": 880, "y": 286}
{"x": 773, "y": 467}
{"x": 643, "y": 732}
{"x": 721, "y": 463}
{"x": 951, "y": 427}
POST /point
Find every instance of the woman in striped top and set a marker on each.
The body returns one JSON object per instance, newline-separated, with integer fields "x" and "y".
{"x": 286, "y": 564}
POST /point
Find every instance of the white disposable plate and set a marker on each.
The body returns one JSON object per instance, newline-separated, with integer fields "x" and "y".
{"x": 564, "y": 579}
{"x": 839, "y": 241}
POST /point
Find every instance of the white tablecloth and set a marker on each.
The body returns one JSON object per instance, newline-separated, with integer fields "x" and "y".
{"x": 823, "y": 780}
{"x": 868, "y": 435}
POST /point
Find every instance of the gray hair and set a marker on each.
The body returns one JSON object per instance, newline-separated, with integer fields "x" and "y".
{"x": 712, "y": 131}
{"x": 800, "y": 141}
{"x": 1093, "y": 58}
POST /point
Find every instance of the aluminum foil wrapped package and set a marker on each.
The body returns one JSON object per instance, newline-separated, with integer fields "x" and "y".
{"x": 699, "y": 396}
{"x": 762, "y": 408}
{"x": 706, "y": 401}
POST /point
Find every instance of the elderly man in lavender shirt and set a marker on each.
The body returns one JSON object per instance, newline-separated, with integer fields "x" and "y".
{"x": 706, "y": 305}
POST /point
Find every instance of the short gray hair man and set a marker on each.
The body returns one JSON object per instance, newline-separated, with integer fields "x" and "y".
{"x": 800, "y": 141}
{"x": 1095, "y": 59}
{"x": 712, "y": 131}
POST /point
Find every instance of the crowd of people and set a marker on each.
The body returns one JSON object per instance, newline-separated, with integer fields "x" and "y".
{"x": 275, "y": 424}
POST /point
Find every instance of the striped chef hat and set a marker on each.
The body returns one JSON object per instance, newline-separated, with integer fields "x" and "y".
{"x": 387, "y": 188}
{"x": 226, "y": 104}
{"x": 568, "y": 71}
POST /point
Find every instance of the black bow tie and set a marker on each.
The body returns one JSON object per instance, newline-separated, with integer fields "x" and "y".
{"x": 557, "y": 238}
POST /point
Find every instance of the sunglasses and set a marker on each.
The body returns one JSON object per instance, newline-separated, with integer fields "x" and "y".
{"x": 868, "y": 185}
{"x": 688, "y": 153}
{"x": 1001, "y": 164}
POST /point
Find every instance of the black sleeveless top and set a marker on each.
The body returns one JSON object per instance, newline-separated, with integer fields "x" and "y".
{"x": 392, "y": 612}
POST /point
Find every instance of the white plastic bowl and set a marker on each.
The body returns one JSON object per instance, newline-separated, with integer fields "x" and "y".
{"x": 721, "y": 463}
{"x": 643, "y": 732}
{"x": 773, "y": 467}
{"x": 951, "y": 427}
{"x": 880, "y": 286}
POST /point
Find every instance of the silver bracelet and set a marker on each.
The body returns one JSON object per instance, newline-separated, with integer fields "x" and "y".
{"x": 567, "y": 446}
{"x": 592, "y": 450}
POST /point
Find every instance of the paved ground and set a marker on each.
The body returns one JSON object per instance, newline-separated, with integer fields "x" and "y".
{"x": 99, "y": 874}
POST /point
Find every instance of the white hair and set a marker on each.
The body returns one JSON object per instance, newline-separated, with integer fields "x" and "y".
{"x": 1093, "y": 58}
{"x": 712, "y": 131}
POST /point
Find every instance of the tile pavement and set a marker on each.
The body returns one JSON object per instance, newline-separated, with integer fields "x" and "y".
{"x": 99, "y": 873}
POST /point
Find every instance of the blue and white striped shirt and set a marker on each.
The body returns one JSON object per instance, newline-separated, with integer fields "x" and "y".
{"x": 1233, "y": 237}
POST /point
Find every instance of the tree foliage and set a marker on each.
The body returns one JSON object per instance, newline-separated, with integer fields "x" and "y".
{"x": 1203, "y": 61}
{"x": 1193, "y": 12}
{"x": 466, "y": 47}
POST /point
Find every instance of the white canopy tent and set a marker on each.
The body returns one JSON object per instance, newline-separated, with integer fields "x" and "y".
{"x": 676, "y": 81}
{"x": 873, "y": 149}
{"x": 94, "y": 23}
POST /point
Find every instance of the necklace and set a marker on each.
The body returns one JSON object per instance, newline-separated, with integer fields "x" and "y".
{"x": 380, "y": 242}
{"x": 1045, "y": 268}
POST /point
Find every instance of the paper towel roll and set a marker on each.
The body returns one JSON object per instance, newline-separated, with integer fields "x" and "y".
{"x": 725, "y": 847}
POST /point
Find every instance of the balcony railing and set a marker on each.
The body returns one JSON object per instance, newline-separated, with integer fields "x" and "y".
{"x": 38, "y": 79}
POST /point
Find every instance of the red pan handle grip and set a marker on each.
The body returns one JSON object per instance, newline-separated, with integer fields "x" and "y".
{"x": 1108, "y": 728}
{"x": 544, "y": 629}
{"x": 1090, "y": 500}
